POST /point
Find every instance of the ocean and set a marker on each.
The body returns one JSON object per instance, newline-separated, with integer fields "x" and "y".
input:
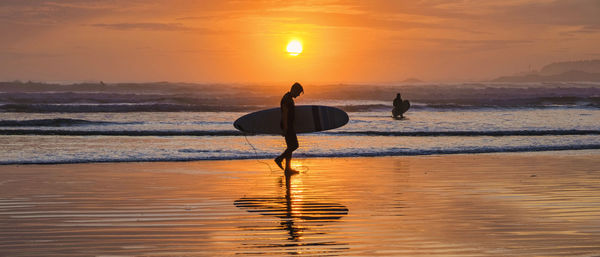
{"x": 79, "y": 123}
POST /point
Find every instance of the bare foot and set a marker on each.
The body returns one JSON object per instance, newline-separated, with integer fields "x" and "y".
{"x": 290, "y": 171}
{"x": 278, "y": 162}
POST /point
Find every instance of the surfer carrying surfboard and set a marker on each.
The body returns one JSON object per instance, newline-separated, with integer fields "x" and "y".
{"x": 288, "y": 112}
{"x": 400, "y": 106}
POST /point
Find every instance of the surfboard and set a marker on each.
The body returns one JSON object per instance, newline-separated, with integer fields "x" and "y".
{"x": 309, "y": 118}
{"x": 404, "y": 106}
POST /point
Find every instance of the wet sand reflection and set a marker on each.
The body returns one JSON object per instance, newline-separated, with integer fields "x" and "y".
{"x": 544, "y": 204}
{"x": 298, "y": 214}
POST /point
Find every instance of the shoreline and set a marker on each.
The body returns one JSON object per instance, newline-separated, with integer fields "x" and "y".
{"x": 558, "y": 150}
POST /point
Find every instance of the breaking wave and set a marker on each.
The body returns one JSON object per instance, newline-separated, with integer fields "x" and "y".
{"x": 382, "y": 153}
{"x": 59, "y": 122}
{"x": 351, "y": 98}
{"x": 175, "y": 133}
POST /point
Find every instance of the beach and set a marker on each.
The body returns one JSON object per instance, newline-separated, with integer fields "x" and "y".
{"x": 493, "y": 204}
{"x": 412, "y": 128}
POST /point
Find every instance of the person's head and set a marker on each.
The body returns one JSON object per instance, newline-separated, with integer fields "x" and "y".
{"x": 398, "y": 95}
{"x": 296, "y": 89}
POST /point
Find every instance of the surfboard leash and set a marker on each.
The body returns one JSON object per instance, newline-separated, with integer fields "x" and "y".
{"x": 305, "y": 169}
{"x": 256, "y": 152}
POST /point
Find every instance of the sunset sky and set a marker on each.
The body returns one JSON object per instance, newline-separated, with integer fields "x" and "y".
{"x": 245, "y": 41}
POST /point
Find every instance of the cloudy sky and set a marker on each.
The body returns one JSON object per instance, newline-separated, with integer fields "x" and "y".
{"x": 244, "y": 41}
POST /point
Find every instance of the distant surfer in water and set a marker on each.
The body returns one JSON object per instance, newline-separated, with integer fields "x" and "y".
{"x": 287, "y": 127}
{"x": 400, "y": 106}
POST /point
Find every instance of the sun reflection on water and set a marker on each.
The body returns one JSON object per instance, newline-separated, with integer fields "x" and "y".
{"x": 299, "y": 214}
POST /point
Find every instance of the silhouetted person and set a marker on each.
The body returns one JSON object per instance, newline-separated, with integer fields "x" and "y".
{"x": 398, "y": 100}
{"x": 288, "y": 111}
{"x": 400, "y": 106}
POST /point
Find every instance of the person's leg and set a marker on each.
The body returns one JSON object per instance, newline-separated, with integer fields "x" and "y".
{"x": 287, "y": 155}
{"x": 292, "y": 144}
{"x": 288, "y": 162}
{"x": 278, "y": 160}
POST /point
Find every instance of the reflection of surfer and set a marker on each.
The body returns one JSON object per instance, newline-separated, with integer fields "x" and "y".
{"x": 287, "y": 125}
{"x": 293, "y": 209}
{"x": 400, "y": 106}
{"x": 288, "y": 223}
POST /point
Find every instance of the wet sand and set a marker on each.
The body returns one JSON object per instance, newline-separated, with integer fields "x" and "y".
{"x": 518, "y": 204}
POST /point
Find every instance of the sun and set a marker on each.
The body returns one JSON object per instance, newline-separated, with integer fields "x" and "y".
{"x": 294, "y": 48}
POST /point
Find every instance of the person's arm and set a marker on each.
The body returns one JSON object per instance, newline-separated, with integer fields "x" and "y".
{"x": 284, "y": 119}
